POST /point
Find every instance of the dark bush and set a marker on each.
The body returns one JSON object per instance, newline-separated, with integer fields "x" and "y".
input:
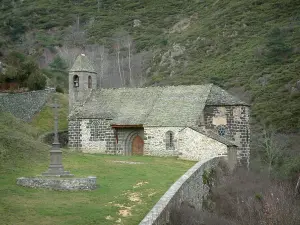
{"x": 59, "y": 89}
{"x": 62, "y": 135}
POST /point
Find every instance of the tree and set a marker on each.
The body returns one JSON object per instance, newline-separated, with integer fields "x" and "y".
{"x": 272, "y": 148}
{"x": 58, "y": 64}
{"x": 36, "y": 81}
{"x": 75, "y": 35}
{"x": 117, "y": 48}
{"x": 128, "y": 44}
{"x": 68, "y": 54}
{"x": 277, "y": 49}
{"x": 25, "y": 71}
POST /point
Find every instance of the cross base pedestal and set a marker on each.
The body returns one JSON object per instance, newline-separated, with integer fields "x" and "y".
{"x": 57, "y": 173}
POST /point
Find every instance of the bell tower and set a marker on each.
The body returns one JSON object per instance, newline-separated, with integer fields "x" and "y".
{"x": 82, "y": 80}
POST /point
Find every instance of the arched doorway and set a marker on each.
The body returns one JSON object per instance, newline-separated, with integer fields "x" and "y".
{"x": 137, "y": 146}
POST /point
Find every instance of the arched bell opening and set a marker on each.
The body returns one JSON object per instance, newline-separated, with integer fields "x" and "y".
{"x": 75, "y": 81}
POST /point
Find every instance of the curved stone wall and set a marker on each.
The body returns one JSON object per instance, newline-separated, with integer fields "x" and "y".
{"x": 25, "y": 105}
{"x": 189, "y": 188}
{"x": 68, "y": 184}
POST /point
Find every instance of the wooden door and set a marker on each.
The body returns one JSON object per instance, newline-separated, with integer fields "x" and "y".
{"x": 137, "y": 146}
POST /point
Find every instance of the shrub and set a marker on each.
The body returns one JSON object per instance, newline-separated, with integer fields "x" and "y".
{"x": 244, "y": 198}
{"x": 59, "y": 89}
{"x": 36, "y": 81}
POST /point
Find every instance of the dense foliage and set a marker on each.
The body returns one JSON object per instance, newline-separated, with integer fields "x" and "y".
{"x": 24, "y": 71}
{"x": 251, "y": 45}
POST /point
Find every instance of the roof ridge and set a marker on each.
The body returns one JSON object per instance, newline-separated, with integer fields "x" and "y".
{"x": 210, "y": 87}
{"x": 217, "y": 95}
{"x": 158, "y": 87}
{"x": 82, "y": 63}
{"x": 213, "y": 135}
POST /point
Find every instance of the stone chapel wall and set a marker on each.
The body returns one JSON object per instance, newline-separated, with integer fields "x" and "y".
{"x": 235, "y": 120}
{"x": 92, "y": 136}
{"x": 196, "y": 146}
{"x": 155, "y": 141}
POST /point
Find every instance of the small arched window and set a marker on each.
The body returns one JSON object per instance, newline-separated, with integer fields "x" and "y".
{"x": 89, "y": 82}
{"x": 170, "y": 140}
{"x": 95, "y": 130}
{"x": 222, "y": 130}
{"x": 75, "y": 81}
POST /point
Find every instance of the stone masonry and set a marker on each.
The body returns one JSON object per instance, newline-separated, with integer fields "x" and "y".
{"x": 25, "y": 105}
{"x": 155, "y": 141}
{"x": 195, "y": 146}
{"x": 188, "y": 188}
{"x": 55, "y": 183}
{"x": 236, "y": 121}
{"x": 92, "y": 136}
{"x": 125, "y": 137}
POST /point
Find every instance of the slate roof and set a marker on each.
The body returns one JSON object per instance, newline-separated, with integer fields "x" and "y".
{"x": 153, "y": 106}
{"x": 213, "y": 135}
{"x": 82, "y": 64}
{"x": 218, "y": 96}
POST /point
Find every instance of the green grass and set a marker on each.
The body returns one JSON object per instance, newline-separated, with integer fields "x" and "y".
{"x": 22, "y": 155}
{"x": 18, "y": 143}
{"x": 44, "y": 121}
{"x": 116, "y": 185}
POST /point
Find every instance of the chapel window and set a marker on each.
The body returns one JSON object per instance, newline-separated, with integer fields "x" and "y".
{"x": 89, "y": 82}
{"x": 170, "y": 140}
{"x": 75, "y": 81}
{"x": 222, "y": 130}
{"x": 95, "y": 131}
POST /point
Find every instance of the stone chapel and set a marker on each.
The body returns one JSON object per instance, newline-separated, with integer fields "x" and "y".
{"x": 193, "y": 122}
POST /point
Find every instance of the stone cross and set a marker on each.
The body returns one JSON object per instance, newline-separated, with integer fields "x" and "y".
{"x": 55, "y": 143}
{"x": 56, "y": 168}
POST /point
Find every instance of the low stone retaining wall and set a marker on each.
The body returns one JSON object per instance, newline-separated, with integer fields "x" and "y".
{"x": 25, "y": 105}
{"x": 189, "y": 188}
{"x": 69, "y": 184}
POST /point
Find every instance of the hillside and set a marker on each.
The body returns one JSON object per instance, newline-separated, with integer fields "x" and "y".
{"x": 44, "y": 120}
{"x": 18, "y": 145}
{"x": 250, "y": 47}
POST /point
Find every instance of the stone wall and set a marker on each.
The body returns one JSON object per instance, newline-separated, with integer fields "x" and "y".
{"x": 236, "y": 121}
{"x": 193, "y": 145}
{"x": 125, "y": 137}
{"x": 79, "y": 94}
{"x": 92, "y": 136}
{"x": 74, "y": 134}
{"x": 189, "y": 188}
{"x": 155, "y": 141}
{"x": 25, "y": 105}
{"x": 68, "y": 184}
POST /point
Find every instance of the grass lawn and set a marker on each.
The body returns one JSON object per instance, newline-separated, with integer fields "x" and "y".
{"x": 44, "y": 120}
{"x": 126, "y": 191}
